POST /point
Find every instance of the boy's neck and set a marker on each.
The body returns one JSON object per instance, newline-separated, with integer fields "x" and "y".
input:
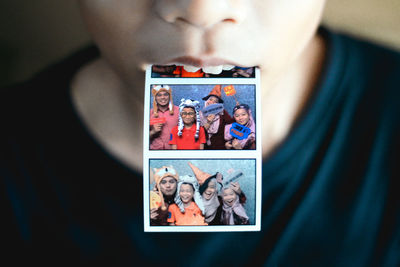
{"x": 188, "y": 126}
{"x": 187, "y": 204}
{"x": 284, "y": 98}
{"x": 162, "y": 108}
{"x": 113, "y": 110}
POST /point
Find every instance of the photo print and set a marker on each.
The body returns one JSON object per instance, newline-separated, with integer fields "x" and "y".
{"x": 225, "y": 71}
{"x": 202, "y": 195}
{"x": 202, "y": 117}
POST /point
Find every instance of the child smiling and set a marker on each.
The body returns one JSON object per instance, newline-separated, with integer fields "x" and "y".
{"x": 189, "y": 208}
{"x": 243, "y": 116}
{"x": 233, "y": 212}
{"x": 188, "y": 134}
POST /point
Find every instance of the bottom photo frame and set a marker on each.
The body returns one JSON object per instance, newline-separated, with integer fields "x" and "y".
{"x": 201, "y": 195}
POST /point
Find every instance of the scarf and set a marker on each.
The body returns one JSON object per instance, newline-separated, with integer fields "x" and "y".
{"x": 211, "y": 206}
{"x": 252, "y": 136}
{"x": 236, "y": 208}
{"x": 214, "y": 125}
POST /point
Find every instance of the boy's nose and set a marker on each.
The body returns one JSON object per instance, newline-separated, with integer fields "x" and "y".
{"x": 201, "y": 13}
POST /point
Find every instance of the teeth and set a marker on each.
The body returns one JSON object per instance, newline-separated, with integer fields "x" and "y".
{"x": 190, "y": 68}
{"x": 213, "y": 70}
{"x": 227, "y": 67}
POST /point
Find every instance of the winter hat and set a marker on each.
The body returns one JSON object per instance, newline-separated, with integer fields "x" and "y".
{"x": 188, "y": 103}
{"x": 159, "y": 174}
{"x": 239, "y": 106}
{"x": 216, "y": 91}
{"x": 188, "y": 179}
{"x": 204, "y": 178}
{"x": 162, "y": 88}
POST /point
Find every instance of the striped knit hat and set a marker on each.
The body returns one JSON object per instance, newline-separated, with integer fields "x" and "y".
{"x": 188, "y": 179}
{"x": 188, "y": 103}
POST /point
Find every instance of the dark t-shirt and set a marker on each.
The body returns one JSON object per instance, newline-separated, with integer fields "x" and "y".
{"x": 329, "y": 192}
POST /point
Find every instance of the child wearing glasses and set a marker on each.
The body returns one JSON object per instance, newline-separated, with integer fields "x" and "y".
{"x": 188, "y": 134}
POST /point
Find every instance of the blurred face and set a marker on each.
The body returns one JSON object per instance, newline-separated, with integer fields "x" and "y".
{"x": 241, "y": 116}
{"x": 186, "y": 193}
{"x": 188, "y": 116}
{"x": 229, "y": 196}
{"x": 162, "y": 99}
{"x": 212, "y": 100}
{"x": 210, "y": 191}
{"x": 168, "y": 186}
{"x": 208, "y": 34}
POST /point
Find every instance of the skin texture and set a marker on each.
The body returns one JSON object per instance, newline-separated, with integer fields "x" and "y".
{"x": 168, "y": 186}
{"x": 162, "y": 100}
{"x": 209, "y": 192}
{"x": 241, "y": 116}
{"x": 188, "y": 120}
{"x": 211, "y": 100}
{"x": 229, "y": 196}
{"x": 278, "y": 36}
{"x": 186, "y": 194}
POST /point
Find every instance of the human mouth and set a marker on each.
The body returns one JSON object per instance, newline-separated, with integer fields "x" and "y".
{"x": 212, "y": 65}
{"x": 210, "y": 69}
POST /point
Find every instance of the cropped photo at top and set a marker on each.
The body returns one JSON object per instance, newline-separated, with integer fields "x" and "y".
{"x": 71, "y": 165}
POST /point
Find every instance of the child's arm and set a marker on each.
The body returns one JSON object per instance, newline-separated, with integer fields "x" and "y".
{"x": 238, "y": 190}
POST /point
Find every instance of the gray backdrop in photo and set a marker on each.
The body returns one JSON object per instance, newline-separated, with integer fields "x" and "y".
{"x": 247, "y": 181}
{"x": 245, "y": 94}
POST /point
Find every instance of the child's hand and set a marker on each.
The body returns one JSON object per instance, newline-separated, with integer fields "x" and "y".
{"x": 154, "y": 213}
{"x": 236, "y": 144}
{"x": 236, "y": 187}
{"x": 157, "y": 127}
{"x": 210, "y": 118}
{"x": 228, "y": 145}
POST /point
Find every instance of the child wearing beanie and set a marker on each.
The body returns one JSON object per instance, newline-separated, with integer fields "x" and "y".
{"x": 188, "y": 208}
{"x": 188, "y": 134}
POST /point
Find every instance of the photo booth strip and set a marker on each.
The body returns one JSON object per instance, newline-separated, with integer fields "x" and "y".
{"x": 170, "y": 114}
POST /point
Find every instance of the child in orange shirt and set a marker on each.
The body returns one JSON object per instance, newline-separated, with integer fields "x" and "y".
{"x": 189, "y": 208}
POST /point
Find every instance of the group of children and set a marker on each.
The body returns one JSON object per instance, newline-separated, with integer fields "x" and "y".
{"x": 191, "y": 130}
{"x": 204, "y": 200}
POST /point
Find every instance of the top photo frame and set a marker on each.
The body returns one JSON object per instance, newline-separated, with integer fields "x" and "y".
{"x": 226, "y": 71}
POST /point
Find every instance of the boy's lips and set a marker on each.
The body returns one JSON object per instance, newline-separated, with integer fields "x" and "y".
{"x": 200, "y": 63}
{"x": 209, "y": 65}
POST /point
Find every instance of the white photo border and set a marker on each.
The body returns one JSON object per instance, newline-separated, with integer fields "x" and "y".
{"x": 201, "y": 154}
